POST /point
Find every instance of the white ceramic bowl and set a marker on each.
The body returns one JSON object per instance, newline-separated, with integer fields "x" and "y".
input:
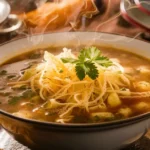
{"x": 105, "y": 136}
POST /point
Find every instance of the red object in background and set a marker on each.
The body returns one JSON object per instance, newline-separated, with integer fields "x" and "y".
{"x": 143, "y": 5}
{"x": 134, "y": 15}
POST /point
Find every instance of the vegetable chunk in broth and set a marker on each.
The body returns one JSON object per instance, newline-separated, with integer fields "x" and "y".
{"x": 83, "y": 85}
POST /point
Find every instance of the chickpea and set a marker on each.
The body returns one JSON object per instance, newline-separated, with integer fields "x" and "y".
{"x": 103, "y": 115}
{"x": 142, "y": 86}
{"x": 126, "y": 112}
{"x": 113, "y": 100}
{"x": 141, "y": 106}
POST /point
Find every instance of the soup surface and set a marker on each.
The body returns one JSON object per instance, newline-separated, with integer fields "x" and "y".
{"x": 75, "y": 85}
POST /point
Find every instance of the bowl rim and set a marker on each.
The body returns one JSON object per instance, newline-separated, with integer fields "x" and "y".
{"x": 82, "y": 126}
{"x": 101, "y": 126}
{"x": 141, "y": 7}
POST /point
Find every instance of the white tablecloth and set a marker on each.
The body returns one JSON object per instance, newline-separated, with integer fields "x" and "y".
{"x": 8, "y": 143}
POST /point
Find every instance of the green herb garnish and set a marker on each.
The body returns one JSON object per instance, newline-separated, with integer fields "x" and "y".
{"x": 86, "y": 62}
{"x": 11, "y": 76}
{"x": 61, "y": 71}
{"x": 28, "y": 94}
{"x": 97, "y": 118}
{"x": 3, "y": 72}
{"x": 14, "y": 99}
{"x": 35, "y": 56}
{"x": 21, "y": 87}
{"x": 123, "y": 89}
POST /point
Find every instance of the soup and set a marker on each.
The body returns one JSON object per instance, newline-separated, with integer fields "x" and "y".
{"x": 83, "y": 85}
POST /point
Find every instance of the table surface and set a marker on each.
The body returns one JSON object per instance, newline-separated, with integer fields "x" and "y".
{"x": 110, "y": 21}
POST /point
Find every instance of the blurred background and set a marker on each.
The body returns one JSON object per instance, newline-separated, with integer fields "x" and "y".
{"x": 41, "y": 16}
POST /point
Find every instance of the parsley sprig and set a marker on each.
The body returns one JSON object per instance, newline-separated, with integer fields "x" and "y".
{"x": 86, "y": 62}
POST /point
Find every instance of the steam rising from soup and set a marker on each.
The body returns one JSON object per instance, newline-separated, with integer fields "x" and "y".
{"x": 88, "y": 85}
